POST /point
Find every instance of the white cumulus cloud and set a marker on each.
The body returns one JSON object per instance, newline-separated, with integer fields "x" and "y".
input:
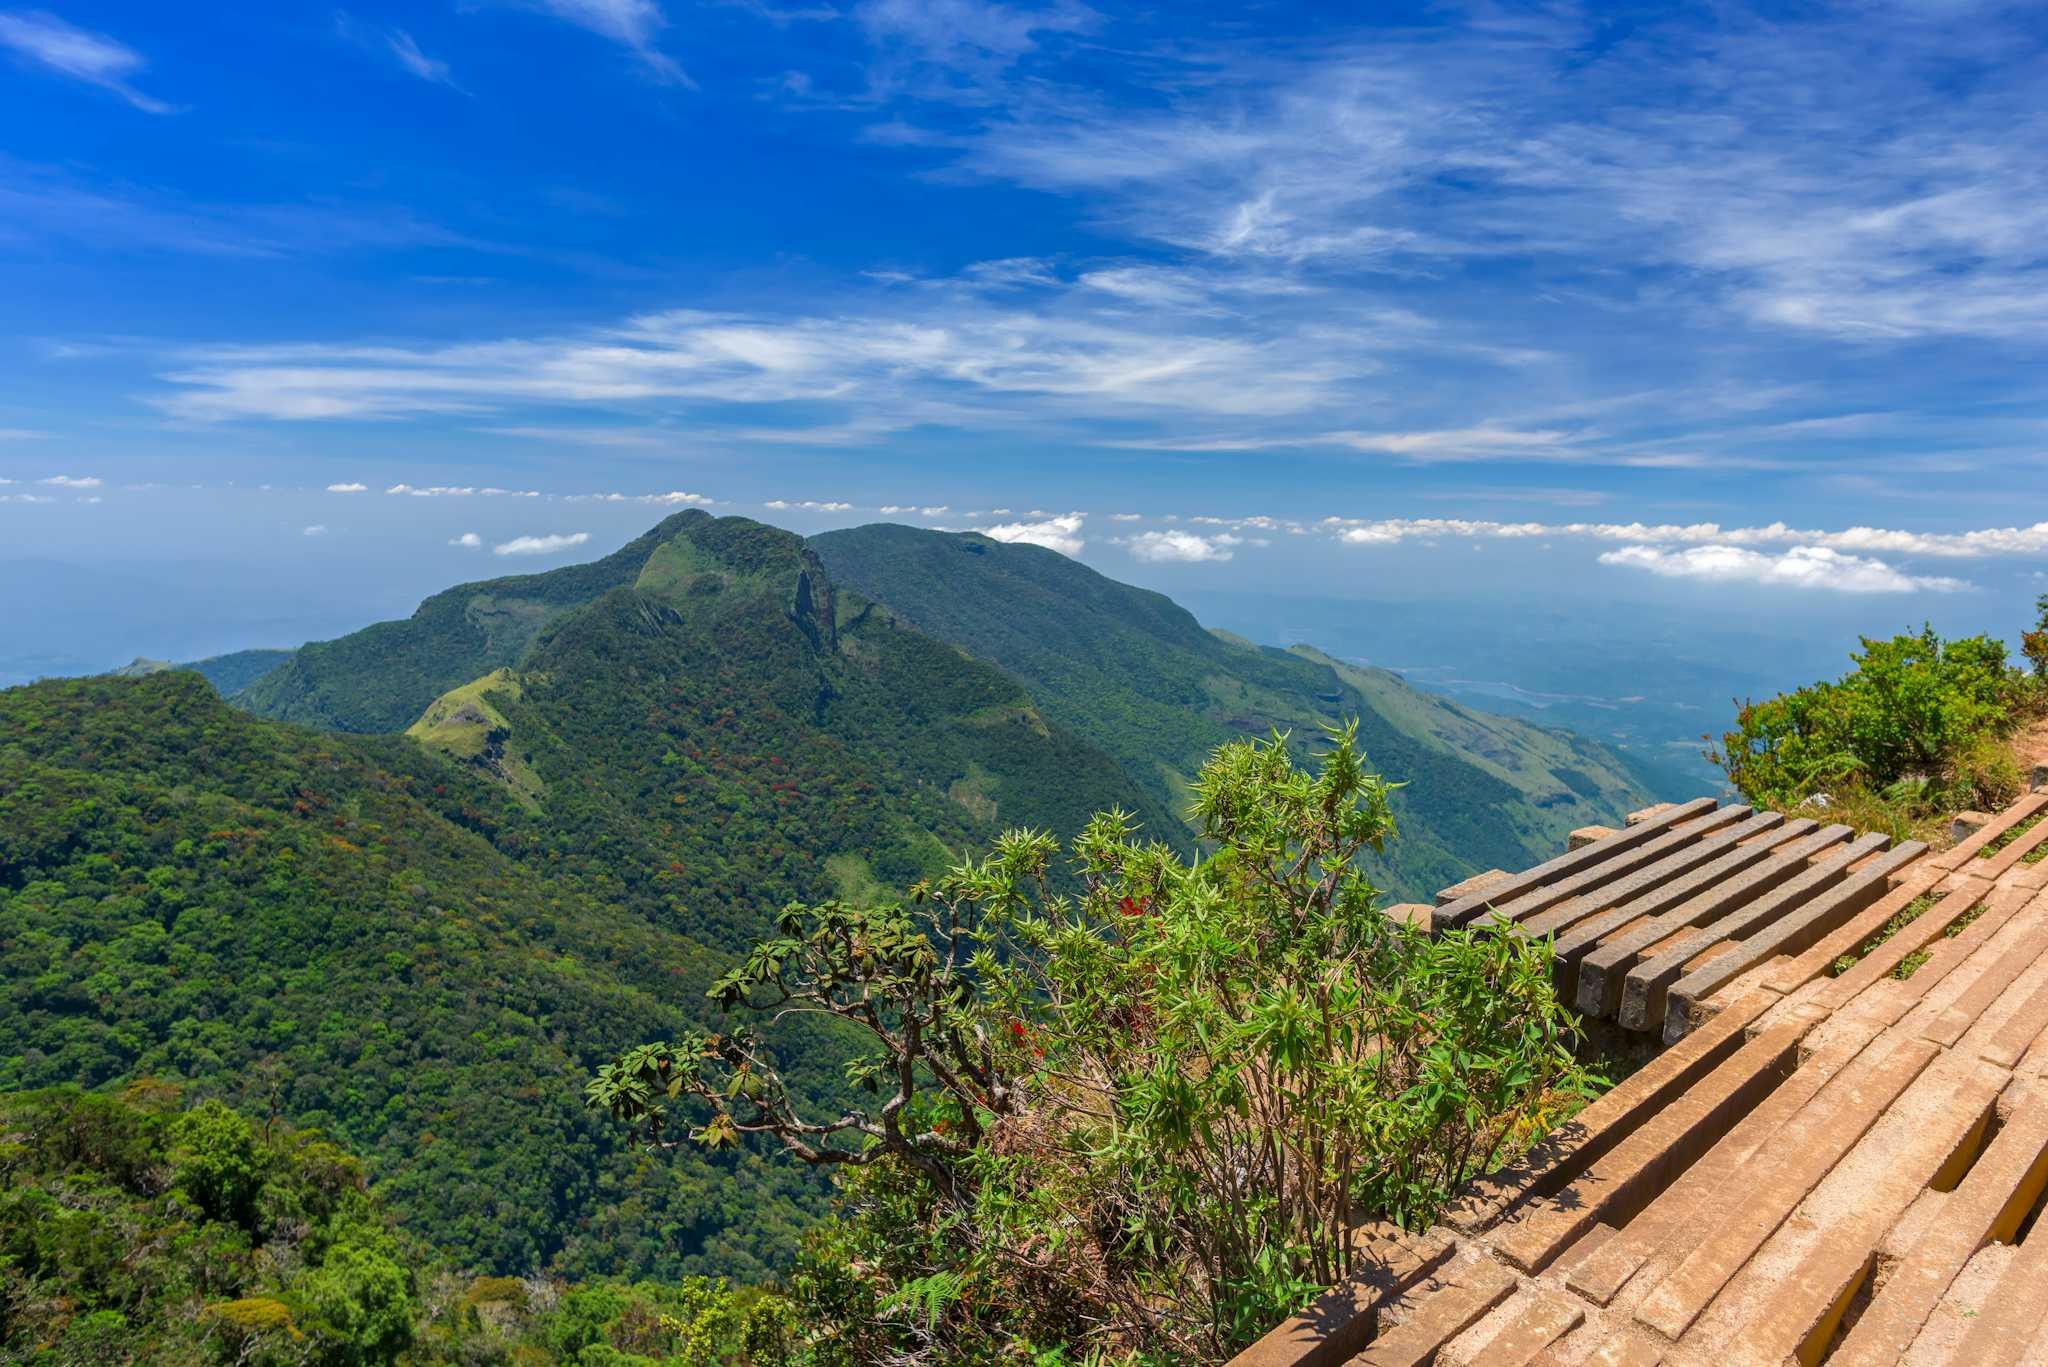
{"x": 74, "y": 481}
{"x": 1187, "y": 547}
{"x": 1803, "y": 567}
{"x": 470, "y": 541}
{"x": 541, "y": 545}
{"x": 1062, "y": 534}
{"x": 350, "y": 488}
{"x": 317, "y": 529}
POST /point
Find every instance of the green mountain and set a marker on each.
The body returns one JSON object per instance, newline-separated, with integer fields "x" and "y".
{"x": 229, "y": 674}
{"x": 383, "y": 677}
{"x": 423, "y": 943}
{"x": 1137, "y": 675}
{"x": 730, "y": 731}
{"x": 357, "y": 933}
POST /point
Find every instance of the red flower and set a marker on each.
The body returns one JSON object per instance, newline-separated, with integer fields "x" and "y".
{"x": 1017, "y": 1029}
{"x": 1129, "y": 907}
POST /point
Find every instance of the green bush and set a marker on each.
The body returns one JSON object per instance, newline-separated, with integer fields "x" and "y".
{"x": 2034, "y": 644}
{"x": 1919, "y": 723}
{"x": 131, "y": 1232}
{"x": 1137, "y": 1122}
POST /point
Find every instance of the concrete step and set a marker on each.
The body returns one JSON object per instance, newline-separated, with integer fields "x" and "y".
{"x": 1472, "y": 905}
{"x": 1642, "y": 993}
{"x": 1808, "y": 1147}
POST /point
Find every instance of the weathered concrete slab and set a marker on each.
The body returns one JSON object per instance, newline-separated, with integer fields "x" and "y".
{"x": 1535, "y": 1319}
{"x": 1965, "y": 850}
{"x": 1642, "y": 991}
{"x": 1988, "y": 1206}
{"x": 1469, "y": 906}
{"x": 1788, "y": 934}
{"x": 1617, "y": 1187}
{"x": 1473, "y": 886}
{"x": 1617, "y": 869}
{"x": 1856, "y": 934}
{"x": 1414, "y": 914}
{"x": 1797, "y": 1291}
{"x": 1652, "y": 877}
{"x": 1672, "y": 1225}
{"x": 1603, "y": 966}
{"x": 1808, "y": 1147}
{"x": 1471, "y": 1290}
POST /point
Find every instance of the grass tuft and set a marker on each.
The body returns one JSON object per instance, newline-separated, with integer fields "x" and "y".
{"x": 1907, "y": 914}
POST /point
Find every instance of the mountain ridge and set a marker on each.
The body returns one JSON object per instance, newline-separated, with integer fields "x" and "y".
{"x": 1138, "y": 675}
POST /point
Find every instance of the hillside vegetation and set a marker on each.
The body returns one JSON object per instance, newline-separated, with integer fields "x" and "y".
{"x": 1919, "y": 729}
{"x": 383, "y": 677}
{"x": 1138, "y": 676}
{"x": 133, "y": 1230}
{"x": 1137, "y": 1125}
{"x": 421, "y": 944}
{"x": 364, "y": 937}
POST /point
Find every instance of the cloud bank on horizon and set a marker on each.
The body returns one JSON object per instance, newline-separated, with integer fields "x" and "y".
{"x": 1721, "y": 273}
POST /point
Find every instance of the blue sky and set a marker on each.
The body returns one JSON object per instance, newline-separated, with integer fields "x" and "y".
{"x": 1636, "y": 299}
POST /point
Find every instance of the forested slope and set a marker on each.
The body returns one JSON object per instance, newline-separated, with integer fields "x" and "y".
{"x": 357, "y": 933}
{"x": 1135, "y": 674}
{"x": 424, "y": 943}
{"x": 381, "y": 678}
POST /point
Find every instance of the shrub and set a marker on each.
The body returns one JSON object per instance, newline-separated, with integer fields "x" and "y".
{"x": 2034, "y": 644}
{"x": 1142, "y": 1120}
{"x": 1917, "y": 723}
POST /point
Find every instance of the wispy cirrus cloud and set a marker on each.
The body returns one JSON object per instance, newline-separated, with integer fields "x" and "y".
{"x": 1080, "y": 360}
{"x": 1901, "y": 200}
{"x": 396, "y": 45}
{"x": 635, "y": 24}
{"x": 93, "y": 58}
{"x": 408, "y": 55}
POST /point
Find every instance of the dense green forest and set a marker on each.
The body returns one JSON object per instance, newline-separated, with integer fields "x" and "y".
{"x": 422, "y": 945}
{"x": 357, "y": 933}
{"x": 1132, "y": 672}
{"x": 135, "y": 1230}
{"x": 538, "y": 819}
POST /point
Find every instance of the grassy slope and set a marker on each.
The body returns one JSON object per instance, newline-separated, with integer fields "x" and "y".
{"x": 1132, "y": 672}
